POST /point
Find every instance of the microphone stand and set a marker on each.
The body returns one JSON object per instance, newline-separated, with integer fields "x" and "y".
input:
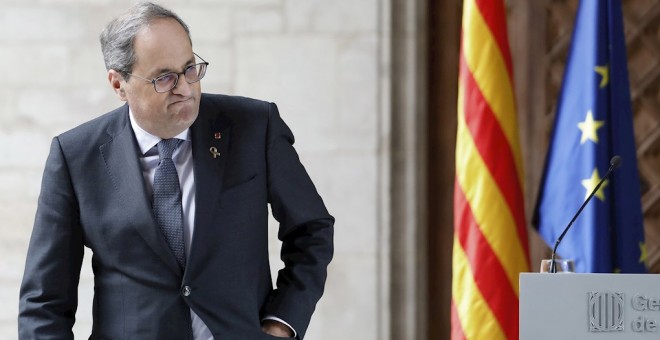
{"x": 615, "y": 162}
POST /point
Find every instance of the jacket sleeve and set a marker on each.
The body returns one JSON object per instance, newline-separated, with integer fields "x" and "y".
{"x": 49, "y": 291}
{"x": 306, "y": 230}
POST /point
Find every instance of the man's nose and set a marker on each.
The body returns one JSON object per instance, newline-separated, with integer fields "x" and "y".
{"x": 182, "y": 87}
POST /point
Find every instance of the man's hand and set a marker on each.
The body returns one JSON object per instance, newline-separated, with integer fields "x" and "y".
{"x": 275, "y": 328}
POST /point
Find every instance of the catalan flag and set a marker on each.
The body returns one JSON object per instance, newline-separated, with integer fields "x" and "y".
{"x": 490, "y": 236}
{"x": 593, "y": 123}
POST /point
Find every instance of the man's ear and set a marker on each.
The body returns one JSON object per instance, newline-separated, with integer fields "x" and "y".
{"x": 117, "y": 82}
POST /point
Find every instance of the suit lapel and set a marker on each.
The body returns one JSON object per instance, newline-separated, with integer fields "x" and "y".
{"x": 211, "y": 138}
{"x": 120, "y": 155}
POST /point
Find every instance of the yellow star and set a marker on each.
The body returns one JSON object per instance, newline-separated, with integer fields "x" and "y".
{"x": 590, "y": 184}
{"x": 604, "y": 71}
{"x": 643, "y": 253}
{"x": 590, "y": 128}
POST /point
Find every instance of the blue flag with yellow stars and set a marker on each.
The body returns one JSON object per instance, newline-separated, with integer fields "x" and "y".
{"x": 592, "y": 124}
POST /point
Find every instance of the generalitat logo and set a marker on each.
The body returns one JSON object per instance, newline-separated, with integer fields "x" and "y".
{"x": 605, "y": 312}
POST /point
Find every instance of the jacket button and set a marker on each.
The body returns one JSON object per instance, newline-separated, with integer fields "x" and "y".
{"x": 186, "y": 290}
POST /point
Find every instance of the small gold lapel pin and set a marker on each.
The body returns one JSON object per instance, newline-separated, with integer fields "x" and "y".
{"x": 217, "y": 135}
{"x": 214, "y": 152}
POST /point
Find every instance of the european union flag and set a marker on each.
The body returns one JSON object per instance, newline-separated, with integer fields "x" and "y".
{"x": 593, "y": 123}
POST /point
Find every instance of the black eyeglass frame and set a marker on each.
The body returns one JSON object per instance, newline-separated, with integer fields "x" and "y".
{"x": 178, "y": 74}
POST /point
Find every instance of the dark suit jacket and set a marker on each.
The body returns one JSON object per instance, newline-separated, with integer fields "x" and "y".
{"x": 93, "y": 194}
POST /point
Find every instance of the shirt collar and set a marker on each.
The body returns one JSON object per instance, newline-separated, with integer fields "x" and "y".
{"x": 147, "y": 141}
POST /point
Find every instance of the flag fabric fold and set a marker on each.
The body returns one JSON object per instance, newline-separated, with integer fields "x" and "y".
{"x": 593, "y": 123}
{"x": 490, "y": 236}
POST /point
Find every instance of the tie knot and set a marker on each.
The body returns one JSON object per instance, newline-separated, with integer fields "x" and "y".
{"x": 166, "y": 147}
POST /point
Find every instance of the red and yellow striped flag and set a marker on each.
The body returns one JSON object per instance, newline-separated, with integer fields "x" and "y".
{"x": 490, "y": 233}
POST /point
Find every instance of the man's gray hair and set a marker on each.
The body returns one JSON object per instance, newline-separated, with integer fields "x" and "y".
{"x": 118, "y": 36}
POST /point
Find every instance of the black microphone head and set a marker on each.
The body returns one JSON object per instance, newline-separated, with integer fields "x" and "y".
{"x": 615, "y": 162}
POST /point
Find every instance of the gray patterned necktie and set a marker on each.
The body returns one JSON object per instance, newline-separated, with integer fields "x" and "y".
{"x": 167, "y": 199}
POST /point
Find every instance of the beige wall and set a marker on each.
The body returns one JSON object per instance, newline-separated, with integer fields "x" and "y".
{"x": 322, "y": 62}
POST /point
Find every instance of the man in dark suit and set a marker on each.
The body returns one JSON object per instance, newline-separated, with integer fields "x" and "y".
{"x": 170, "y": 193}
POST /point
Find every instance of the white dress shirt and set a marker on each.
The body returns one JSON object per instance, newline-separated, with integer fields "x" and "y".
{"x": 182, "y": 158}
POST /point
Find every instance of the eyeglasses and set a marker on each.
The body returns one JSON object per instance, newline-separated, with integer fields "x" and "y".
{"x": 168, "y": 81}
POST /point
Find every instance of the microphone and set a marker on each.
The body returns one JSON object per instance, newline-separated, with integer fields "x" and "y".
{"x": 615, "y": 162}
